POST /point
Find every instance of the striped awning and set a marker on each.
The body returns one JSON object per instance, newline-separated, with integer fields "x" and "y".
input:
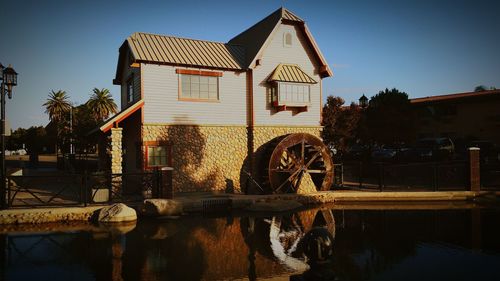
{"x": 291, "y": 73}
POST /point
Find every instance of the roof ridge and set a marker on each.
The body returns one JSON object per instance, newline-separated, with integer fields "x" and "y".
{"x": 255, "y": 24}
{"x": 185, "y": 38}
{"x": 460, "y": 93}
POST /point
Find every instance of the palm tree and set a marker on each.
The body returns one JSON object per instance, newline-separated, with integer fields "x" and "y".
{"x": 57, "y": 106}
{"x": 101, "y": 104}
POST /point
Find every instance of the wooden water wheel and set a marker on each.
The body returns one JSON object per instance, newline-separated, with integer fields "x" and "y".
{"x": 296, "y": 156}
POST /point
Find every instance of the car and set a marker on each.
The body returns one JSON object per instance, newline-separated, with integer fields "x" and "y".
{"x": 432, "y": 149}
{"x": 357, "y": 152}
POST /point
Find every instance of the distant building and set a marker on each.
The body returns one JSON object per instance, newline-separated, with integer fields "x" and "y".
{"x": 463, "y": 117}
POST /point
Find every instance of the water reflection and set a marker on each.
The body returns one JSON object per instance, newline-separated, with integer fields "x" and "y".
{"x": 278, "y": 238}
{"x": 382, "y": 245}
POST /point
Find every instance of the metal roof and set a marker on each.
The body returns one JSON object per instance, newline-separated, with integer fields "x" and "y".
{"x": 291, "y": 73}
{"x": 238, "y": 54}
{"x": 173, "y": 50}
{"x": 254, "y": 38}
{"x": 286, "y": 14}
{"x": 488, "y": 93}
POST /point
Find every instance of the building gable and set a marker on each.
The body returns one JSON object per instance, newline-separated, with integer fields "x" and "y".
{"x": 257, "y": 38}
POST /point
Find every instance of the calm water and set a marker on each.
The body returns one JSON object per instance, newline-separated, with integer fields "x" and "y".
{"x": 369, "y": 245}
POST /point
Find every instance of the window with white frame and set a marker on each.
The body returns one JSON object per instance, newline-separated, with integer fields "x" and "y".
{"x": 199, "y": 87}
{"x": 292, "y": 94}
{"x": 156, "y": 156}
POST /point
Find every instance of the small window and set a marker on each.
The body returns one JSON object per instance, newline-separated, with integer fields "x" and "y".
{"x": 287, "y": 39}
{"x": 157, "y": 156}
{"x": 130, "y": 89}
{"x": 199, "y": 87}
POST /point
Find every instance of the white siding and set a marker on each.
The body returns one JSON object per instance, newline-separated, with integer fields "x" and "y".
{"x": 162, "y": 104}
{"x": 137, "y": 83}
{"x": 273, "y": 54}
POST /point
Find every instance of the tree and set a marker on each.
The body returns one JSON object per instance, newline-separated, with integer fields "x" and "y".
{"x": 57, "y": 106}
{"x": 481, "y": 88}
{"x": 341, "y": 123}
{"x": 34, "y": 139}
{"x": 389, "y": 118}
{"x": 101, "y": 104}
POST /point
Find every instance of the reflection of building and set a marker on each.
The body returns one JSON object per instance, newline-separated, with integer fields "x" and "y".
{"x": 214, "y": 103}
{"x": 463, "y": 116}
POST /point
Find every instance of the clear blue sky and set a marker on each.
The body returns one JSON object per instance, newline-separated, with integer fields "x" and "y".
{"x": 422, "y": 47}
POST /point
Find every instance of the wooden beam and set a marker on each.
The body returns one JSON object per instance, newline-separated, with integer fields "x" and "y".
{"x": 198, "y": 72}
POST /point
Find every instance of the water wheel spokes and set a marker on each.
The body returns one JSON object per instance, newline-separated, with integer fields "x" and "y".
{"x": 294, "y": 157}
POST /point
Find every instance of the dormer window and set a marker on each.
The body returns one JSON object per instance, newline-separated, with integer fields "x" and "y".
{"x": 292, "y": 94}
{"x": 290, "y": 87}
{"x": 287, "y": 39}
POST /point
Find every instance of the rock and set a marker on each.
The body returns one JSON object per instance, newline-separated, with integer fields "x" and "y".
{"x": 117, "y": 213}
{"x": 306, "y": 185}
{"x": 161, "y": 207}
{"x": 274, "y": 206}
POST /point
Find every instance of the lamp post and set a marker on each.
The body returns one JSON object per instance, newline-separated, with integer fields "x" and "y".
{"x": 9, "y": 80}
{"x": 363, "y": 101}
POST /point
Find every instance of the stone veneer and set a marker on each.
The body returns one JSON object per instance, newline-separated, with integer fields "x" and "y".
{"x": 204, "y": 158}
{"x": 116, "y": 150}
{"x": 210, "y": 158}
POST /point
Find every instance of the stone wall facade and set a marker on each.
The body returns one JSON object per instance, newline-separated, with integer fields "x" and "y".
{"x": 116, "y": 150}
{"x": 204, "y": 158}
{"x": 214, "y": 158}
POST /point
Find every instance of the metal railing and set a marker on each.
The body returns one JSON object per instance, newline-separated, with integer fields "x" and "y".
{"x": 87, "y": 189}
{"x": 422, "y": 176}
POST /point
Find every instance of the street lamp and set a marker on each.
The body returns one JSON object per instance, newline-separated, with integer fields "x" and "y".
{"x": 9, "y": 80}
{"x": 363, "y": 101}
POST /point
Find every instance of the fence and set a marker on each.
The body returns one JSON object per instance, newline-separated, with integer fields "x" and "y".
{"x": 490, "y": 176}
{"x": 87, "y": 189}
{"x": 409, "y": 176}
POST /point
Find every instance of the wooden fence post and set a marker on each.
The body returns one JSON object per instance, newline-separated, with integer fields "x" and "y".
{"x": 475, "y": 169}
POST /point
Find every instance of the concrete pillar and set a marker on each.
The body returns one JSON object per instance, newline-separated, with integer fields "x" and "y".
{"x": 116, "y": 160}
{"x": 475, "y": 169}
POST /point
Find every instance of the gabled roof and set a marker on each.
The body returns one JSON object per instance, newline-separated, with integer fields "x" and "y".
{"x": 291, "y": 73}
{"x": 173, "y": 50}
{"x": 238, "y": 54}
{"x": 458, "y": 96}
{"x": 254, "y": 39}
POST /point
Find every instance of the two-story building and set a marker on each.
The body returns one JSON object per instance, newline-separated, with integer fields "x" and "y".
{"x": 205, "y": 108}
{"x": 463, "y": 117}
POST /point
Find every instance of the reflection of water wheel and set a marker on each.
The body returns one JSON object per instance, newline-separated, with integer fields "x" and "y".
{"x": 280, "y": 237}
{"x": 298, "y": 155}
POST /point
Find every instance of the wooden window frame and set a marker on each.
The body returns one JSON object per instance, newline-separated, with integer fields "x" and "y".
{"x": 193, "y": 72}
{"x": 130, "y": 81}
{"x": 168, "y": 147}
{"x": 275, "y": 96}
